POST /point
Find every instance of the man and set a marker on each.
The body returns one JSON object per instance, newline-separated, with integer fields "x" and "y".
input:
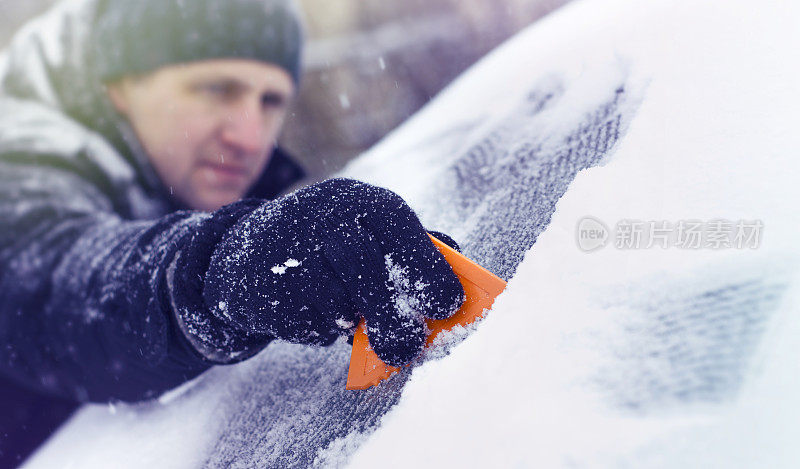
{"x": 138, "y": 245}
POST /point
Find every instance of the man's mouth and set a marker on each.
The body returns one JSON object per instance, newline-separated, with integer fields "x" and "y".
{"x": 226, "y": 173}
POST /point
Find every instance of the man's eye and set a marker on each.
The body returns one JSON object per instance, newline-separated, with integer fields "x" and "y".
{"x": 272, "y": 100}
{"x": 218, "y": 90}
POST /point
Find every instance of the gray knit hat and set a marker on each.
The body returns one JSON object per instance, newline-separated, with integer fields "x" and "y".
{"x": 138, "y": 36}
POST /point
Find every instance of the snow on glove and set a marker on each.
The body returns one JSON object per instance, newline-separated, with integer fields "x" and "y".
{"x": 306, "y": 267}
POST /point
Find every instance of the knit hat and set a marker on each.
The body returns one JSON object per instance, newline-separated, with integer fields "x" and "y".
{"x": 138, "y": 36}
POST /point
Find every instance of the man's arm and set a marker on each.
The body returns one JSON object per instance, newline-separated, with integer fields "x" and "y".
{"x": 96, "y": 308}
{"x": 83, "y": 306}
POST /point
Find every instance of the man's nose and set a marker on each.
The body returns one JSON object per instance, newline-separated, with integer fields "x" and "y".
{"x": 246, "y": 129}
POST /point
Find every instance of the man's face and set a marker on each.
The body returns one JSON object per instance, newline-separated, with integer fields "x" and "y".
{"x": 208, "y": 127}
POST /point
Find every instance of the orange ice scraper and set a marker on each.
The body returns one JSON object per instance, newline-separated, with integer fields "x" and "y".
{"x": 481, "y": 288}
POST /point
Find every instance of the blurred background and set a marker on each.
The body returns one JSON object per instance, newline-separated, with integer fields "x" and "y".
{"x": 370, "y": 64}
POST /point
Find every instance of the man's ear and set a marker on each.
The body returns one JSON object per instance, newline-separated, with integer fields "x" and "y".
{"x": 117, "y": 92}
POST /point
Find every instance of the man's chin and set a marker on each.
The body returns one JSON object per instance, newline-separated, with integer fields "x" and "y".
{"x": 214, "y": 188}
{"x": 217, "y": 199}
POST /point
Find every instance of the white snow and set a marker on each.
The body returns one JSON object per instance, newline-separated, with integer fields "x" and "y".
{"x": 344, "y": 324}
{"x": 405, "y": 303}
{"x": 338, "y": 451}
{"x": 344, "y": 101}
{"x": 447, "y": 339}
{"x": 280, "y": 269}
{"x": 598, "y": 359}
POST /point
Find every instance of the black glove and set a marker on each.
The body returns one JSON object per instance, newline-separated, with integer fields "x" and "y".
{"x": 446, "y": 239}
{"x": 306, "y": 267}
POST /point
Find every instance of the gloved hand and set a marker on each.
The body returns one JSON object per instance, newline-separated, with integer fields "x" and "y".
{"x": 306, "y": 267}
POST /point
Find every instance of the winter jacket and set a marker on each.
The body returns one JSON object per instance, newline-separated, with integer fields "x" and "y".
{"x": 86, "y": 231}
